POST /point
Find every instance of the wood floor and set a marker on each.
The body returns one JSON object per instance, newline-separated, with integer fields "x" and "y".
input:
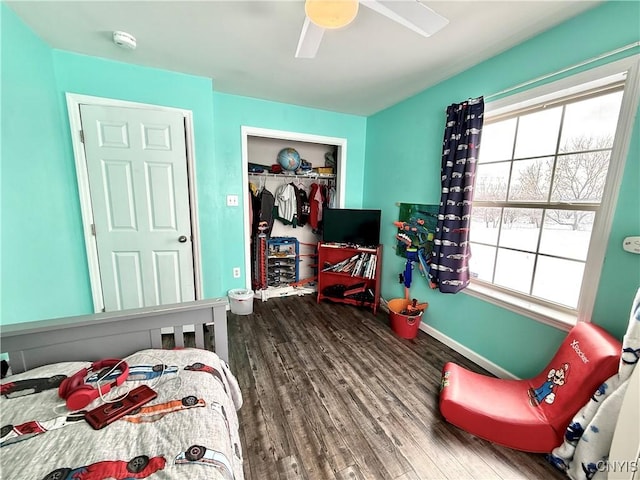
{"x": 330, "y": 392}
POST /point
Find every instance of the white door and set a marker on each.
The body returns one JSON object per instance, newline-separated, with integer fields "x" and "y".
{"x": 137, "y": 169}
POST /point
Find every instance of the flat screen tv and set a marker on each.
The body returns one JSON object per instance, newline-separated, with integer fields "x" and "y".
{"x": 352, "y": 226}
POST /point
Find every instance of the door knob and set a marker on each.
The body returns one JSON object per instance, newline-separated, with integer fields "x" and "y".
{"x": 182, "y": 239}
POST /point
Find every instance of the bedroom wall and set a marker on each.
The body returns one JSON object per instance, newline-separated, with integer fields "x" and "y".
{"x": 231, "y": 112}
{"x": 403, "y": 165}
{"x": 44, "y": 272}
{"x": 43, "y": 263}
{"x": 105, "y": 78}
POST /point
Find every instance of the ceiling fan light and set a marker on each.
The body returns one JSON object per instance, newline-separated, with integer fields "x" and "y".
{"x": 331, "y": 13}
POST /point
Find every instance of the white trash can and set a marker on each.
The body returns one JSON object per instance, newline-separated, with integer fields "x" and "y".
{"x": 241, "y": 301}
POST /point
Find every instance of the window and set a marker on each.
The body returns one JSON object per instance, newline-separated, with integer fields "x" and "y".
{"x": 541, "y": 182}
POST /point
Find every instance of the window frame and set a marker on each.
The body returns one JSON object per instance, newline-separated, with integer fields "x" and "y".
{"x": 628, "y": 70}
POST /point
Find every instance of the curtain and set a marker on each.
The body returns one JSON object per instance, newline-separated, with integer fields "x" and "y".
{"x": 460, "y": 147}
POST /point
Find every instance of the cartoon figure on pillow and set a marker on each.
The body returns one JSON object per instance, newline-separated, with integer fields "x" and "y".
{"x": 545, "y": 392}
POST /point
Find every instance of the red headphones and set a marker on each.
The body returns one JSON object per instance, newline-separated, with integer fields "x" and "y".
{"x": 78, "y": 394}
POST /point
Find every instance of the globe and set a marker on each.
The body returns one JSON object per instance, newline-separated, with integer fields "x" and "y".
{"x": 289, "y": 158}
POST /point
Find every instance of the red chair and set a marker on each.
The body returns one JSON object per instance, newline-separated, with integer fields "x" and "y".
{"x": 532, "y": 414}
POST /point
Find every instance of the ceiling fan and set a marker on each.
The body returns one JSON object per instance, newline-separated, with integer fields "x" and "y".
{"x": 332, "y": 14}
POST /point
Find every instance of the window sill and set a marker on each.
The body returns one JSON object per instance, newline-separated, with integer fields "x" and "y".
{"x": 542, "y": 313}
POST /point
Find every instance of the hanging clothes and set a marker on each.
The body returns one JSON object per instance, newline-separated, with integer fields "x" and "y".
{"x": 267, "y": 201}
{"x": 325, "y": 199}
{"x": 285, "y": 202}
{"x": 315, "y": 206}
{"x": 332, "y": 198}
{"x": 262, "y": 210}
{"x": 302, "y": 205}
{"x": 250, "y": 202}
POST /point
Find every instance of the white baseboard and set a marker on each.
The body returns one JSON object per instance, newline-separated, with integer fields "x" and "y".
{"x": 468, "y": 353}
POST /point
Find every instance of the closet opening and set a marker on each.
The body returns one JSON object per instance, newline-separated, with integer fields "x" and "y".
{"x": 283, "y": 207}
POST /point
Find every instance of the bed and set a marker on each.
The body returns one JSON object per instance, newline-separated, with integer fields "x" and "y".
{"x": 190, "y": 430}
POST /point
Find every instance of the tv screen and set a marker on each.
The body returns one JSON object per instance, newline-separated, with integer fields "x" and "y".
{"x": 353, "y": 226}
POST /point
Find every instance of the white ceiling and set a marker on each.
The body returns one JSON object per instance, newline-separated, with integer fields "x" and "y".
{"x": 248, "y": 47}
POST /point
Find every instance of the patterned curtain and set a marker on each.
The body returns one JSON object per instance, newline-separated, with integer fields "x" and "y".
{"x": 460, "y": 147}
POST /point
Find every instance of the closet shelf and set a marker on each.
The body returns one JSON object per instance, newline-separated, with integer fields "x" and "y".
{"x": 318, "y": 176}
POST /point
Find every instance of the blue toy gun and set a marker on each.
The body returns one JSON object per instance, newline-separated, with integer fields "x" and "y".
{"x": 415, "y": 254}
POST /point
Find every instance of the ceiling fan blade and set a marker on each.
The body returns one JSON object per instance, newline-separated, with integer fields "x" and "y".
{"x": 310, "y": 39}
{"x": 412, "y": 14}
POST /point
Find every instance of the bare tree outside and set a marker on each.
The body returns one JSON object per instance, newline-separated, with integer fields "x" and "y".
{"x": 579, "y": 177}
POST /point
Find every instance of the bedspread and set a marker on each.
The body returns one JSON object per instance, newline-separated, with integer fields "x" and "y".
{"x": 190, "y": 431}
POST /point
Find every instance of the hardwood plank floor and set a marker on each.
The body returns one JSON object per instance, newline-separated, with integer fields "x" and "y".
{"x": 330, "y": 392}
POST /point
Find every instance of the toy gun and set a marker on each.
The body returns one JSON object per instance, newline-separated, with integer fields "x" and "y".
{"x": 413, "y": 255}
{"x": 415, "y": 227}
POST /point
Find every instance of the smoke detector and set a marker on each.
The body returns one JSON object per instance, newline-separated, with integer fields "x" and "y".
{"x": 124, "y": 40}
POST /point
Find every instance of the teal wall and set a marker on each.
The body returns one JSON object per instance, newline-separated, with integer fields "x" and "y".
{"x": 230, "y": 113}
{"x": 403, "y": 165}
{"x": 104, "y": 78}
{"x": 44, "y": 264}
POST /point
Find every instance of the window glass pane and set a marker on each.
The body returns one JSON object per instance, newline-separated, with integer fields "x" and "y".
{"x": 481, "y": 262}
{"x": 591, "y": 123}
{"x": 497, "y": 141}
{"x": 491, "y": 181}
{"x": 514, "y": 270}
{"x": 538, "y": 133}
{"x": 540, "y": 178}
{"x": 531, "y": 179}
{"x": 520, "y": 228}
{"x": 566, "y": 233}
{"x": 581, "y": 177}
{"x": 558, "y": 280}
{"x": 485, "y": 223}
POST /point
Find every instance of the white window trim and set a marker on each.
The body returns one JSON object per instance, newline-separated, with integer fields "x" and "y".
{"x": 544, "y": 313}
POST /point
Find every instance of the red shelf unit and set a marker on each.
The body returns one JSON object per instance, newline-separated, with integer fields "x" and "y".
{"x": 331, "y": 254}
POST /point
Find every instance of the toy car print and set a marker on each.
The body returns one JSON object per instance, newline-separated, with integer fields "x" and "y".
{"x": 200, "y": 454}
{"x": 442, "y": 268}
{"x": 138, "y": 467}
{"x": 136, "y": 372}
{"x": 201, "y": 367}
{"x": 152, "y": 413}
{"x": 16, "y": 433}
{"x": 29, "y": 386}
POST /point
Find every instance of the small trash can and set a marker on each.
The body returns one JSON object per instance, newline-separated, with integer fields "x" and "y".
{"x": 241, "y": 301}
{"x": 405, "y": 326}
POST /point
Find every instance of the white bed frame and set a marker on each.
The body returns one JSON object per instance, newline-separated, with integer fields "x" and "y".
{"x": 112, "y": 334}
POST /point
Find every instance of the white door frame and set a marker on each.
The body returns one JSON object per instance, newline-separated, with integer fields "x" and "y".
{"x": 73, "y": 106}
{"x": 247, "y": 132}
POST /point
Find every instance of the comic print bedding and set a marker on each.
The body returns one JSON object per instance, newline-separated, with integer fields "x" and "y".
{"x": 190, "y": 430}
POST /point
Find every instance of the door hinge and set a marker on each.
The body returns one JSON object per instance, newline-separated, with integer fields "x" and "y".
{"x": 93, "y": 229}
{"x": 82, "y": 136}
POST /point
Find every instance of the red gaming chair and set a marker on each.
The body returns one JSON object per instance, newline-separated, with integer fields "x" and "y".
{"x": 533, "y": 414}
